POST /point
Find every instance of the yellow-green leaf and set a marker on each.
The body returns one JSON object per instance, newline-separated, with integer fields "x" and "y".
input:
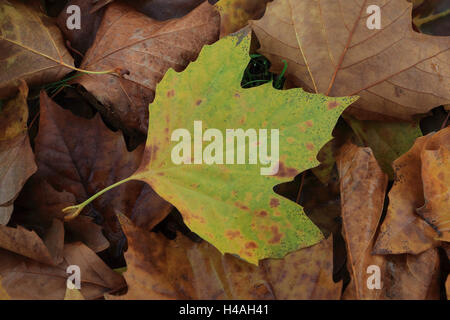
{"x": 233, "y": 206}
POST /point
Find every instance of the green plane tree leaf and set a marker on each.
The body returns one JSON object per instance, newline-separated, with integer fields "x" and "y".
{"x": 233, "y": 206}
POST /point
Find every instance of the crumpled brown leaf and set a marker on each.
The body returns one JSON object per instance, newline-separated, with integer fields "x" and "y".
{"x": 420, "y": 188}
{"x": 81, "y": 157}
{"x": 162, "y": 269}
{"x": 31, "y": 48}
{"x": 396, "y": 72}
{"x": 16, "y": 157}
{"x": 436, "y": 183}
{"x": 363, "y": 186}
{"x": 147, "y": 49}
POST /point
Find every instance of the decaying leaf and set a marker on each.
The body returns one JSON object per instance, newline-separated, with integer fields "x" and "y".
{"x": 16, "y": 157}
{"x": 404, "y": 230}
{"x": 31, "y": 48}
{"x": 412, "y": 277}
{"x": 363, "y": 186}
{"x": 181, "y": 269}
{"x": 435, "y": 159}
{"x": 215, "y": 200}
{"x": 235, "y": 14}
{"x": 397, "y": 72}
{"x": 81, "y": 157}
{"x": 147, "y": 49}
{"x": 27, "y": 243}
{"x": 23, "y": 278}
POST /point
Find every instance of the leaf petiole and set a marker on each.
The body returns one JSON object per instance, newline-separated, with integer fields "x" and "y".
{"x": 74, "y": 211}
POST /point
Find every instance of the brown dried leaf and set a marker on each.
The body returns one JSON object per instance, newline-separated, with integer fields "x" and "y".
{"x": 31, "y": 48}
{"x": 403, "y": 230}
{"x": 396, "y": 72}
{"x": 23, "y": 278}
{"x": 435, "y": 159}
{"x": 363, "y": 186}
{"x": 16, "y": 157}
{"x": 28, "y": 244}
{"x": 162, "y": 269}
{"x": 82, "y": 157}
{"x": 412, "y": 277}
{"x": 39, "y": 203}
{"x": 147, "y": 49}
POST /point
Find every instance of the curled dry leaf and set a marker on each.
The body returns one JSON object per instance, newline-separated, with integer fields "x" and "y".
{"x": 31, "y": 47}
{"x": 16, "y": 157}
{"x": 435, "y": 159}
{"x": 24, "y": 278}
{"x": 404, "y": 230}
{"x": 81, "y": 157}
{"x": 397, "y": 72}
{"x": 235, "y": 14}
{"x": 162, "y": 269}
{"x": 363, "y": 186}
{"x": 147, "y": 49}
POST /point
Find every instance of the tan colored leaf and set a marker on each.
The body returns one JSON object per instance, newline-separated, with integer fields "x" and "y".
{"x": 403, "y": 230}
{"x": 436, "y": 183}
{"x": 235, "y": 14}
{"x": 363, "y": 186}
{"x": 163, "y": 269}
{"x": 396, "y": 71}
{"x": 31, "y": 48}
{"x": 16, "y": 157}
{"x": 147, "y": 49}
{"x": 412, "y": 277}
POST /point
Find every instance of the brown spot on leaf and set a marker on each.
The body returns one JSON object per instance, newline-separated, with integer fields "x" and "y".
{"x": 283, "y": 171}
{"x": 309, "y": 123}
{"x": 251, "y": 245}
{"x": 240, "y": 205}
{"x": 276, "y": 235}
{"x": 261, "y": 213}
{"x": 310, "y": 146}
{"x": 332, "y": 104}
{"x": 232, "y": 234}
{"x": 170, "y": 93}
{"x": 198, "y": 102}
{"x": 274, "y": 202}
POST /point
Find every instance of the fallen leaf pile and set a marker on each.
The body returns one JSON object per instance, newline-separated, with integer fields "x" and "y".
{"x": 355, "y": 205}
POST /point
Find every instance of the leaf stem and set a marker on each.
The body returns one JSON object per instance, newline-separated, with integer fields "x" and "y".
{"x": 74, "y": 211}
